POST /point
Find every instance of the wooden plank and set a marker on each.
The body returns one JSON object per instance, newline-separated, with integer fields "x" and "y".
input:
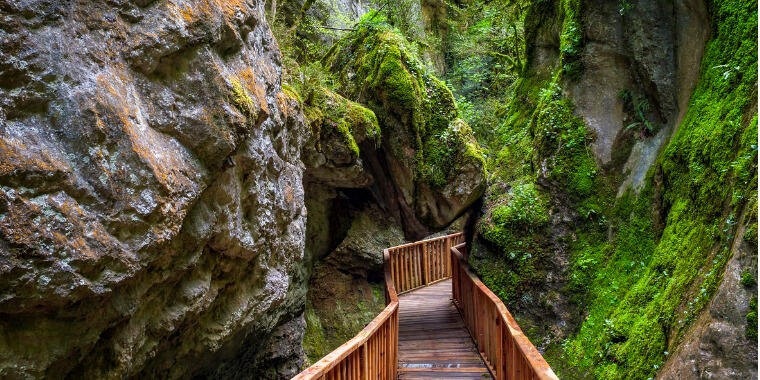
{"x": 432, "y": 340}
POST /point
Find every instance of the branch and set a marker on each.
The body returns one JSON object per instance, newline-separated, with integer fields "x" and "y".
{"x": 335, "y": 28}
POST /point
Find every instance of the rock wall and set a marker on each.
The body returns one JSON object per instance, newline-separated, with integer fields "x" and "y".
{"x": 719, "y": 344}
{"x": 653, "y": 50}
{"x": 623, "y": 245}
{"x": 152, "y": 219}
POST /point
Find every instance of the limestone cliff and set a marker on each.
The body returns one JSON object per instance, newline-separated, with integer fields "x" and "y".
{"x": 621, "y": 244}
{"x": 152, "y": 218}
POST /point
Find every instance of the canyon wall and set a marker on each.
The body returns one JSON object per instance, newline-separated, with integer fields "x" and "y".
{"x": 152, "y": 216}
{"x": 626, "y": 244}
{"x": 157, "y": 174}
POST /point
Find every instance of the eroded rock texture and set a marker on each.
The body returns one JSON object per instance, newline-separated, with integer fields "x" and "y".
{"x": 151, "y": 200}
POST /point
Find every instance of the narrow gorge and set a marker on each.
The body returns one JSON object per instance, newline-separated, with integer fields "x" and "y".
{"x": 204, "y": 188}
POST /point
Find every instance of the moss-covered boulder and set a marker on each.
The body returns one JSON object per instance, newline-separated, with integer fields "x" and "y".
{"x": 430, "y": 166}
{"x": 339, "y": 127}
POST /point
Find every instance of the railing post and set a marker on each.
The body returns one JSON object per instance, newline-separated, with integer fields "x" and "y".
{"x": 448, "y": 249}
{"x": 364, "y": 368}
{"x": 425, "y": 274}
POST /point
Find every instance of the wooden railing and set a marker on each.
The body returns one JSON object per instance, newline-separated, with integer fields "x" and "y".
{"x": 422, "y": 263}
{"x": 506, "y": 350}
{"x": 373, "y": 353}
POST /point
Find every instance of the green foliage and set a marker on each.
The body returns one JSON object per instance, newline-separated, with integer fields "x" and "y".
{"x": 637, "y": 106}
{"x": 747, "y": 279}
{"x": 751, "y": 331}
{"x": 402, "y": 15}
{"x": 525, "y": 207}
{"x": 485, "y": 52}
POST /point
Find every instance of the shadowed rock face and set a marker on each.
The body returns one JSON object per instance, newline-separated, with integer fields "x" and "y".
{"x": 151, "y": 203}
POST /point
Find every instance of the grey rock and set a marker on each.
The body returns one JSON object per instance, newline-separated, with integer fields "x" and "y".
{"x": 653, "y": 49}
{"x": 151, "y": 199}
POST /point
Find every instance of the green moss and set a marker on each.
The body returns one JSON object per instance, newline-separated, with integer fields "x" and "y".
{"x": 446, "y": 152}
{"x": 515, "y": 226}
{"x": 329, "y": 327}
{"x": 750, "y": 234}
{"x": 747, "y": 279}
{"x": 377, "y": 65}
{"x": 328, "y": 112}
{"x": 751, "y": 331}
{"x": 241, "y": 98}
{"x": 314, "y": 341}
{"x": 562, "y": 144}
{"x": 571, "y": 38}
{"x": 291, "y": 92}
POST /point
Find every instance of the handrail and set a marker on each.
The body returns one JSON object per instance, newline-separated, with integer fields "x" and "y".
{"x": 422, "y": 263}
{"x": 373, "y": 352}
{"x": 506, "y": 350}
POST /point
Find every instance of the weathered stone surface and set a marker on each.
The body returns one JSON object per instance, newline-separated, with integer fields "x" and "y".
{"x": 346, "y": 287}
{"x": 361, "y": 252}
{"x": 652, "y": 49}
{"x": 341, "y": 130}
{"x": 151, "y": 200}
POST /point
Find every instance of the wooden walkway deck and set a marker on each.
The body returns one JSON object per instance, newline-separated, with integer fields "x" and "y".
{"x": 433, "y": 342}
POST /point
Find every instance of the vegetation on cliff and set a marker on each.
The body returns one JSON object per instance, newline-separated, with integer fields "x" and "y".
{"x": 642, "y": 265}
{"x": 377, "y": 65}
{"x": 378, "y": 117}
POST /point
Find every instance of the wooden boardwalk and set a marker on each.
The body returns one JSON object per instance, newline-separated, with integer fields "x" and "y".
{"x": 421, "y": 334}
{"x": 433, "y": 342}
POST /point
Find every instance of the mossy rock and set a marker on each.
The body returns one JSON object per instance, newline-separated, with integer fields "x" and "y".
{"x": 432, "y": 154}
{"x": 338, "y": 128}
